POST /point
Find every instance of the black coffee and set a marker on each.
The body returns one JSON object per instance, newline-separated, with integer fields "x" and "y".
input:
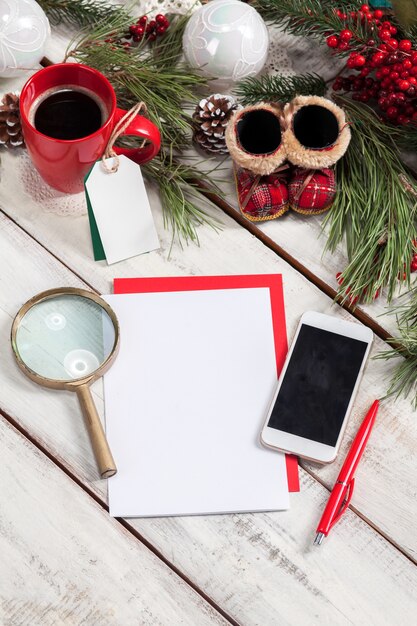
{"x": 68, "y": 114}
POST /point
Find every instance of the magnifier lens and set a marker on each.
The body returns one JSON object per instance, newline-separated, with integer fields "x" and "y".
{"x": 65, "y": 337}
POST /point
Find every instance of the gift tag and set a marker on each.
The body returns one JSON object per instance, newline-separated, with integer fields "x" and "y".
{"x": 121, "y": 221}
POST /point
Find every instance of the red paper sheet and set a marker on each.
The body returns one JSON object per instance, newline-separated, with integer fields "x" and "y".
{"x": 195, "y": 283}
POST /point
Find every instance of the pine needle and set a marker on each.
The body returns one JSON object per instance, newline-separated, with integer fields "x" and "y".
{"x": 81, "y": 12}
{"x": 152, "y": 74}
{"x": 375, "y": 207}
{"x": 279, "y": 88}
{"x": 316, "y": 18}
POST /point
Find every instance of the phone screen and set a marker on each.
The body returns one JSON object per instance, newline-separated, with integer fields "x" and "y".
{"x": 318, "y": 385}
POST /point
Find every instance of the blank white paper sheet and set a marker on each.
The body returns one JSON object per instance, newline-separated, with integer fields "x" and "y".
{"x": 185, "y": 402}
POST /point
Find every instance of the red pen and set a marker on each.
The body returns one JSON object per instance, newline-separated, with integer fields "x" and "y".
{"x": 342, "y": 491}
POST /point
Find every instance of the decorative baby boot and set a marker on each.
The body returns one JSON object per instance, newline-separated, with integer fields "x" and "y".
{"x": 254, "y": 140}
{"x": 316, "y": 136}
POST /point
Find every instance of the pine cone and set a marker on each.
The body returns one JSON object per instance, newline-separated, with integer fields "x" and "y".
{"x": 10, "y": 126}
{"x": 210, "y": 120}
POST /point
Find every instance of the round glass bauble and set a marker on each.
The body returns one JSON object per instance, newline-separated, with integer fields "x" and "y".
{"x": 226, "y": 40}
{"x": 24, "y": 31}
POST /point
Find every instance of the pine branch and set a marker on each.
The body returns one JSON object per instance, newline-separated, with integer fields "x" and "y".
{"x": 183, "y": 204}
{"x": 144, "y": 75}
{"x": 404, "y": 380}
{"x": 152, "y": 74}
{"x": 167, "y": 50}
{"x": 375, "y": 208}
{"x": 81, "y": 12}
{"x": 279, "y": 88}
{"x": 317, "y": 19}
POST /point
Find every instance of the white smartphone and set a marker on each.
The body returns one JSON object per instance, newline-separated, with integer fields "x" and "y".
{"x": 317, "y": 387}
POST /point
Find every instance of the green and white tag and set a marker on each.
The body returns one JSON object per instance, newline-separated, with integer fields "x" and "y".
{"x": 121, "y": 221}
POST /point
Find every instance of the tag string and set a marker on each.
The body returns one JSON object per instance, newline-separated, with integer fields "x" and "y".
{"x": 118, "y": 130}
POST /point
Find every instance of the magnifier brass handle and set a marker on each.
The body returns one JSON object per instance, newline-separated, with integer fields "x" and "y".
{"x": 104, "y": 458}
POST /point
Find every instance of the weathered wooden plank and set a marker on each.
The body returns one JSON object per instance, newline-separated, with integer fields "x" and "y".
{"x": 65, "y": 561}
{"x": 227, "y": 569}
{"x": 229, "y": 562}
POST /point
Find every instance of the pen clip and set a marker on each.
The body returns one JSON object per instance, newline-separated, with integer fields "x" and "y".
{"x": 345, "y": 503}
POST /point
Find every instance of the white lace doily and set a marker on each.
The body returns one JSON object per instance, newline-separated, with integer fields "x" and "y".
{"x": 48, "y": 198}
{"x": 179, "y": 7}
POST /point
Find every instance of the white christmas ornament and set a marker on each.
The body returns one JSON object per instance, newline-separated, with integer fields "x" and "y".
{"x": 226, "y": 39}
{"x": 24, "y": 30}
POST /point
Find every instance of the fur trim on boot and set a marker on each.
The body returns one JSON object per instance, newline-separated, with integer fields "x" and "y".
{"x": 254, "y": 138}
{"x": 316, "y": 133}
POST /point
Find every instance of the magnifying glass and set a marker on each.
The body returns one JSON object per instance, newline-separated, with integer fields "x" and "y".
{"x": 66, "y": 339}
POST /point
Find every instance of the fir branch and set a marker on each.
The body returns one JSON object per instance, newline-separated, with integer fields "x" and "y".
{"x": 167, "y": 50}
{"x": 375, "y": 208}
{"x": 144, "y": 75}
{"x": 279, "y": 88}
{"x": 152, "y": 74}
{"x": 183, "y": 203}
{"x": 318, "y": 19}
{"x": 404, "y": 380}
{"x": 81, "y": 12}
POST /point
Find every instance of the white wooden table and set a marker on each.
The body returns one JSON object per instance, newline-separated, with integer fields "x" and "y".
{"x": 64, "y": 560}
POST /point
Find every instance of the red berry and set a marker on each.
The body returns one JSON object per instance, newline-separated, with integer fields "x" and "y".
{"x": 143, "y": 20}
{"x": 383, "y": 104}
{"x": 160, "y": 30}
{"x": 392, "y": 112}
{"x": 405, "y": 45}
{"x": 393, "y": 30}
{"x": 404, "y": 75}
{"x": 403, "y": 85}
{"x": 407, "y": 65}
{"x": 343, "y": 45}
{"x": 360, "y": 60}
{"x": 378, "y": 14}
{"x": 394, "y": 75}
{"x": 385, "y": 35}
{"x": 378, "y": 58}
{"x": 365, "y": 8}
{"x": 160, "y": 18}
{"x": 346, "y": 35}
{"x": 412, "y": 80}
{"x": 371, "y": 43}
{"x": 392, "y": 44}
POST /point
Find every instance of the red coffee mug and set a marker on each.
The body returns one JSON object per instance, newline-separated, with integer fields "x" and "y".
{"x": 64, "y": 163}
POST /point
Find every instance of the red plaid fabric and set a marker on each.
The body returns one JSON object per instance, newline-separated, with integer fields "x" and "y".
{"x": 268, "y": 198}
{"x": 316, "y": 195}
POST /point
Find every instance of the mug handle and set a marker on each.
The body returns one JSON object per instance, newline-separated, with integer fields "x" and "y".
{"x": 141, "y": 127}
